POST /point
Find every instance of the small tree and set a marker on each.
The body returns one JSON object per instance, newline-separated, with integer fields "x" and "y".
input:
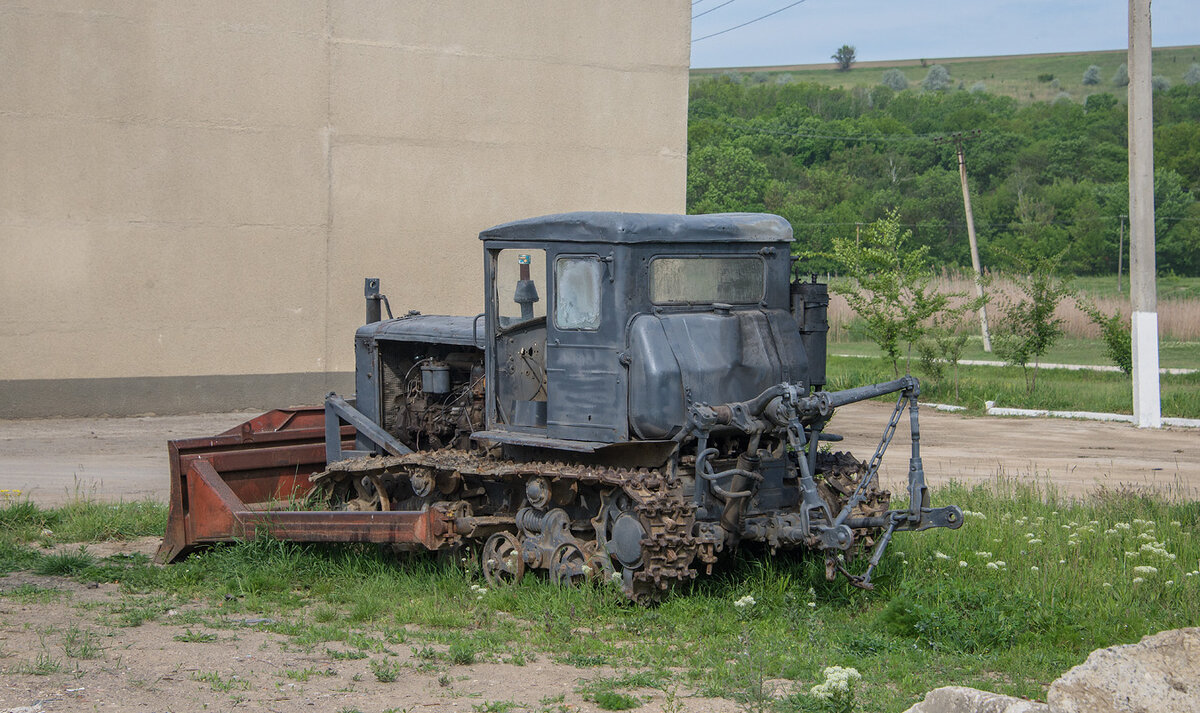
{"x": 1160, "y": 83}
{"x": 947, "y": 338}
{"x": 1114, "y": 332}
{"x": 1121, "y": 77}
{"x": 1091, "y": 76}
{"x": 1192, "y": 76}
{"x": 1028, "y": 327}
{"x": 978, "y": 87}
{"x": 844, "y": 57}
{"x": 937, "y": 79}
{"x": 895, "y": 80}
{"x": 889, "y": 287}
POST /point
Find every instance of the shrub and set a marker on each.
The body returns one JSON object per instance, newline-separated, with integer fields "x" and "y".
{"x": 937, "y": 79}
{"x": 1091, "y": 75}
{"x": 1121, "y": 77}
{"x": 895, "y": 80}
{"x": 1159, "y": 83}
{"x": 1047, "y": 77}
{"x": 1192, "y": 76}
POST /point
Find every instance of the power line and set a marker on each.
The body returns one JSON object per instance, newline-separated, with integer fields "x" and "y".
{"x": 749, "y": 22}
{"x": 718, "y": 7}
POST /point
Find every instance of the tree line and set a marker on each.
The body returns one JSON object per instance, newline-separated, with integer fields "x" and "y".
{"x": 1046, "y": 178}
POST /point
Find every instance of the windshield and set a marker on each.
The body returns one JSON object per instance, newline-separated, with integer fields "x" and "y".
{"x": 691, "y": 280}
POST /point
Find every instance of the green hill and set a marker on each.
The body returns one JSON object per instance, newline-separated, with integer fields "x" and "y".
{"x": 1016, "y": 76}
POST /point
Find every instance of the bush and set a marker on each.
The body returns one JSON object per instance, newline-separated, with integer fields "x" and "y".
{"x": 1192, "y": 76}
{"x": 1121, "y": 77}
{"x": 937, "y": 79}
{"x": 1159, "y": 83}
{"x": 1047, "y": 77}
{"x": 978, "y": 87}
{"x": 895, "y": 80}
{"x": 1091, "y": 76}
{"x": 1114, "y": 331}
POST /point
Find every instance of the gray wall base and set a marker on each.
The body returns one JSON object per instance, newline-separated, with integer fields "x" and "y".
{"x": 48, "y": 398}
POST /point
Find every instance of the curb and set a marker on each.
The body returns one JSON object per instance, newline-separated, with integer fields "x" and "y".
{"x": 992, "y": 410}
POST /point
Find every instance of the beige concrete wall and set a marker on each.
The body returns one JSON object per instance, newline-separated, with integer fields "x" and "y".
{"x": 197, "y": 189}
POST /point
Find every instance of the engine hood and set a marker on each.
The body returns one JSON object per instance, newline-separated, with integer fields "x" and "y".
{"x": 714, "y": 357}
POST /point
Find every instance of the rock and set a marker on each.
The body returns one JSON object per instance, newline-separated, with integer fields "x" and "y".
{"x": 959, "y": 699}
{"x": 1159, "y": 674}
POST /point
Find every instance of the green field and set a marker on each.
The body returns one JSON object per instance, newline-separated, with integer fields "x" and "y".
{"x": 1011, "y": 76}
{"x": 1025, "y": 590}
{"x": 1177, "y": 355}
{"x": 1057, "y": 389}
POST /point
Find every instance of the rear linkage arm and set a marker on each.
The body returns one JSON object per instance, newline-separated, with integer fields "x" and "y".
{"x": 783, "y": 408}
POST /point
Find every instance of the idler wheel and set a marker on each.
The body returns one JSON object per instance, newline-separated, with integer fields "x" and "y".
{"x": 568, "y": 565}
{"x": 501, "y": 560}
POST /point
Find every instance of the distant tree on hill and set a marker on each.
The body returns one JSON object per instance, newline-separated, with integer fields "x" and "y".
{"x": 937, "y": 79}
{"x": 844, "y": 57}
{"x": 978, "y": 87}
{"x": 1121, "y": 78}
{"x": 1192, "y": 76}
{"x": 1160, "y": 83}
{"x": 894, "y": 79}
{"x": 1091, "y": 76}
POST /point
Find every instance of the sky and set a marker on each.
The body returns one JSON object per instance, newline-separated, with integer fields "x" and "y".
{"x": 913, "y": 29}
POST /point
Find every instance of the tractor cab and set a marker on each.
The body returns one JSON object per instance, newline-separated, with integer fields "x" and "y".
{"x": 603, "y": 327}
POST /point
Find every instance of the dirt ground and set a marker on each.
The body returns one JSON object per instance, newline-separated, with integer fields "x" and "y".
{"x": 86, "y": 661}
{"x": 146, "y": 668}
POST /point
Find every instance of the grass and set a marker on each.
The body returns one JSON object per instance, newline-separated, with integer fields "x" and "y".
{"x": 1011, "y": 76}
{"x": 1046, "y": 580}
{"x": 1177, "y": 355}
{"x": 1057, "y": 389}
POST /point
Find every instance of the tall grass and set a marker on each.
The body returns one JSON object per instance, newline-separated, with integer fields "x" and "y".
{"x": 1178, "y": 317}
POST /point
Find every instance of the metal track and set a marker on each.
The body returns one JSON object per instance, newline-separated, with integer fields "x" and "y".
{"x": 668, "y": 548}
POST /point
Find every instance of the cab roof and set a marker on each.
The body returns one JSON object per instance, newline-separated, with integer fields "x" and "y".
{"x": 626, "y": 228}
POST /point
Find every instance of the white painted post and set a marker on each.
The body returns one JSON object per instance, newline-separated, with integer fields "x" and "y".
{"x": 1147, "y": 406}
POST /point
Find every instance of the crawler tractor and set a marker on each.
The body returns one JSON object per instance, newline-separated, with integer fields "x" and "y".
{"x": 642, "y": 395}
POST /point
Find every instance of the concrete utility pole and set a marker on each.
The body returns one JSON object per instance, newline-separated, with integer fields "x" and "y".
{"x": 958, "y": 138}
{"x": 1147, "y": 406}
{"x": 1120, "y": 254}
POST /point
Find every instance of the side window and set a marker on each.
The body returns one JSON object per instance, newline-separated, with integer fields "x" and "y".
{"x": 520, "y": 284}
{"x": 577, "y": 292}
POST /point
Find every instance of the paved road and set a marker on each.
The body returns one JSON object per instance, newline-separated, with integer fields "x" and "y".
{"x": 53, "y": 460}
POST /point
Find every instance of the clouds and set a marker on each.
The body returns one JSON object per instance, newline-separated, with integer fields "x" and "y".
{"x": 907, "y": 29}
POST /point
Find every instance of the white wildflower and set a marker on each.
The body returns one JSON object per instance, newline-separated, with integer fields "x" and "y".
{"x": 1169, "y": 582}
{"x": 993, "y": 565}
{"x": 962, "y": 564}
{"x": 1106, "y": 585}
{"x": 616, "y": 577}
{"x": 1138, "y": 580}
{"x": 585, "y": 569}
{"x": 984, "y": 555}
{"x": 1130, "y": 554}
{"x": 1030, "y": 535}
{"x": 837, "y": 682}
{"x": 1054, "y": 513}
{"x": 1110, "y": 531}
{"x": 1176, "y": 523}
{"x": 1034, "y": 568}
{"x": 1035, "y": 541}
{"x": 812, "y": 605}
{"x": 1062, "y": 561}
{"x": 1146, "y": 569}
{"x": 1095, "y": 523}
{"x": 1122, "y": 526}
{"x": 941, "y": 555}
{"x": 1072, "y": 524}
{"x": 745, "y": 602}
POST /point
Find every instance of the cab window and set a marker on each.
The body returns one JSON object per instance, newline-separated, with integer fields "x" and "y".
{"x": 577, "y": 292}
{"x": 520, "y": 284}
{"x": 704, "y": 280}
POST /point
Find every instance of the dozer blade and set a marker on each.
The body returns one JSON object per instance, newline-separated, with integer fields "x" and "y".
{"x": 247, "y": 481}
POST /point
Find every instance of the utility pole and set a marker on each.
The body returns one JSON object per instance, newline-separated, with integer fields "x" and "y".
{"x": 958, "y": 138}
{"x": 1120, "y": 252}
{"x": 1147, "y": 404}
